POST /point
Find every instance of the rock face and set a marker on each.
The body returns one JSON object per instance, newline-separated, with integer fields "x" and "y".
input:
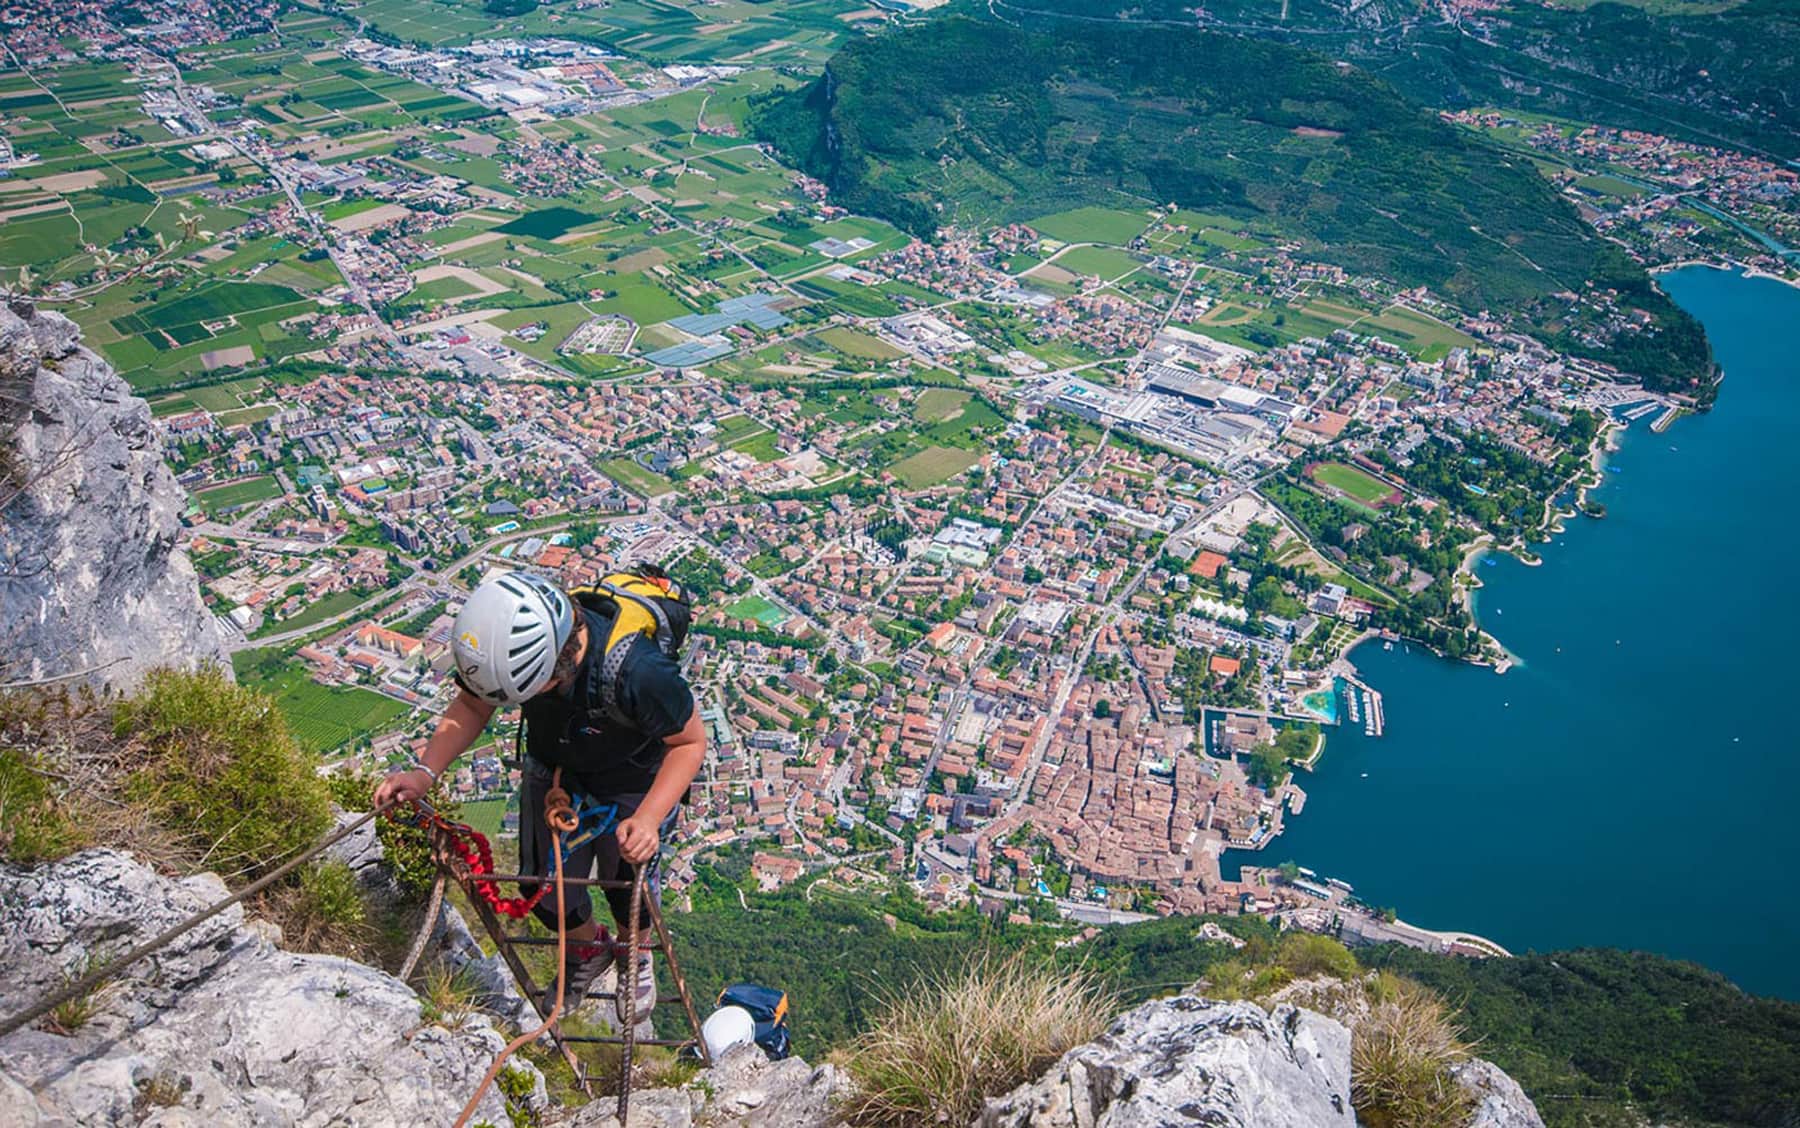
{"x": 1499, "y": 1102}
{"x": 91, "y": 579}
{"x": 744, "y": 1089}
{"x": 1188, "y": 1060}
{"x": 221, "y": 1027}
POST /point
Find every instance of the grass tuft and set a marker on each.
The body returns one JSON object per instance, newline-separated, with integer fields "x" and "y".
{"x": 323, "y": 910}
{"x": 218, "y": 759}
{"x": 35, "y": 822}
{"x": 70, "y": 1015}
{"x": 1400, "y": 1058}
{"x": 448, "y": 997}
{"x": 935, "y": 1051}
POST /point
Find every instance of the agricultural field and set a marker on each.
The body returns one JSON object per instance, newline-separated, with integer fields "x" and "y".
{"x": 731, "y": 31}
{"x": 1420, "y": 334}
{"x": 326, "y": 718}
{"x": 330, "y": 606}
{"x": 1099, "y": 262}
{"x": 854, "y": 343}
{"x": 484, "y": 815}
{"x": 939, "y": 405}
{"x": 1092, "y": 225}
{"x": 933, "y": 465}
{"x": 635, "y": 478}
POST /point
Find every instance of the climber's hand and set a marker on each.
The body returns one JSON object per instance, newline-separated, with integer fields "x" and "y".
{"x": 402, "y": 786}
{"x": 638, "y": 839}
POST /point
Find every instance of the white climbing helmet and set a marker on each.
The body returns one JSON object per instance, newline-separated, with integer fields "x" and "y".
{"x": 508, "y": 635}
{"x": 725, "y": 1028}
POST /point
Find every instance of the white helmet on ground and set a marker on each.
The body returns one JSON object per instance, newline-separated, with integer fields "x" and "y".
{"x": 508, "y": 635}
{"x": 725, "y": 1028}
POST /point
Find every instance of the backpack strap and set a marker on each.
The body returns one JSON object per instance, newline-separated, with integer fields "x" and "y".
{"x": 665, "y": 635}
{"x": 606, "y": 675}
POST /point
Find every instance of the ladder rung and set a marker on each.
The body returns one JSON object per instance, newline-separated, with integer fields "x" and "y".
{"x": 540, "y": 879}
{"x": 550, "y": 942}
{"x": 617, "y": 1041}
{"x": 609, "y": 996}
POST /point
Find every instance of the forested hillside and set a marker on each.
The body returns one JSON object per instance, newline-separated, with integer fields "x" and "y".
{"x": 972, "y": 121}
{"x": 1719, "y": 71}
{"x": 1592, "y": 1035}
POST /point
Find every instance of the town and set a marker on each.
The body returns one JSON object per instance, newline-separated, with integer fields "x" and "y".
{"x": 1028, "y": 559}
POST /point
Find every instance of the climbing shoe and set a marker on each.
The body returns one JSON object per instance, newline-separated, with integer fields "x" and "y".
{"x": 644, "y": 988}
{"x": 583, "y": 967}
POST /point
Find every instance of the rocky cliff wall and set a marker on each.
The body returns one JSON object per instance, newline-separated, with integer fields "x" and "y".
{"x": 91, "y": 580}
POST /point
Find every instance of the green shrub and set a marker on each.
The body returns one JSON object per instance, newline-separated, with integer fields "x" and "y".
{"x": 70, "y": 1015}
{"x": 936, "y": 1050}
{"x": 217, "y": 760}
{"x": 405, "y": 847}
{"x": 1244, "y": 979}
{"x": 35, "y": 826}
{"x": 1400, "y": 1058}
{"x": 1307, "y": 954}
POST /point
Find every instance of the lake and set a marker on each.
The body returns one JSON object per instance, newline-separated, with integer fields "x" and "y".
{"x": 1633, "y": 783}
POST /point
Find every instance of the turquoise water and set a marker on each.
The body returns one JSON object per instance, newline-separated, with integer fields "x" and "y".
{"x": 1634, "y": 783}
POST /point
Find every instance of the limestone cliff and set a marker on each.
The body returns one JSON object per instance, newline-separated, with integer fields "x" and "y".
{"x": 220, "y": 1028}
{"x": 92, "y": 583}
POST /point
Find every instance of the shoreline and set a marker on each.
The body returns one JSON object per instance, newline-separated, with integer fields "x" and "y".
{"x": 1728, "y": 265}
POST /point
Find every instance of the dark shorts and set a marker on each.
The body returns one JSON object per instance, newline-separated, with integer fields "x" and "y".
{"x": 598, "y": 858}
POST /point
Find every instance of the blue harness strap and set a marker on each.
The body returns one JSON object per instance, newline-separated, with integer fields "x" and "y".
{"x": 594, "y": 819}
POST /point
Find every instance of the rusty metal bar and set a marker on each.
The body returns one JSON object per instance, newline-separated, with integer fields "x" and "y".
{"x": 507, "y": 944}
{"x": 568, "y": 882}
{"x": 521, "y": 974}
{"x": 626, "y": 978}
{"x": 667, "y": 943}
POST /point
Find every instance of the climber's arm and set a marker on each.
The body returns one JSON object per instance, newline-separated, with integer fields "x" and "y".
{"x": 686, "y": 751}
{"x": 460, "y": 725}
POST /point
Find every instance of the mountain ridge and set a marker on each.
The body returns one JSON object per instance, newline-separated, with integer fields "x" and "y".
{"x": 963, "y": 120}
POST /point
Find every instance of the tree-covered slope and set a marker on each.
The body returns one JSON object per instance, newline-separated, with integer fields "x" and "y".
{"x": 967, "y": 121}
{"x": 1596, "y": 1037}
{"x": 1711, "y": 70}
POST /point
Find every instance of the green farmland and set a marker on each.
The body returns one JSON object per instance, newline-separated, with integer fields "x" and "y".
{"x": 326, "y": 718}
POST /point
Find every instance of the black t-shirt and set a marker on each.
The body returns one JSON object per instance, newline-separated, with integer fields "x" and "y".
{"x": 564, "y": 729}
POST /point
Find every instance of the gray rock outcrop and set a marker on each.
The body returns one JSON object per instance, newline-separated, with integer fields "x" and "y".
{"x": 91, "y": 579}
{"x": 1499, "y": 1102}
{"x": 221, "y": 1027}
{"x": 1188, "y": 1060}
{"x": 744, "y": 1089}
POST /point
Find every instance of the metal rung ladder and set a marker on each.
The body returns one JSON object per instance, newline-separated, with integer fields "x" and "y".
{"x": 508, "y": 944}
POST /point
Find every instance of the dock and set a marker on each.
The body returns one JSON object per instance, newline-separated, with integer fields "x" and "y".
{"x": 1364, "y": 705}
{"x": 1666, "y": 418}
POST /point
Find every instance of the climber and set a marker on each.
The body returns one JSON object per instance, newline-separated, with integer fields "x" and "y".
{"x": 603, "y": 698}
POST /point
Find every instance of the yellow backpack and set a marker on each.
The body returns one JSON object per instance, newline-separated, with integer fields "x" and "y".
{"x": 645, "y": 607}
